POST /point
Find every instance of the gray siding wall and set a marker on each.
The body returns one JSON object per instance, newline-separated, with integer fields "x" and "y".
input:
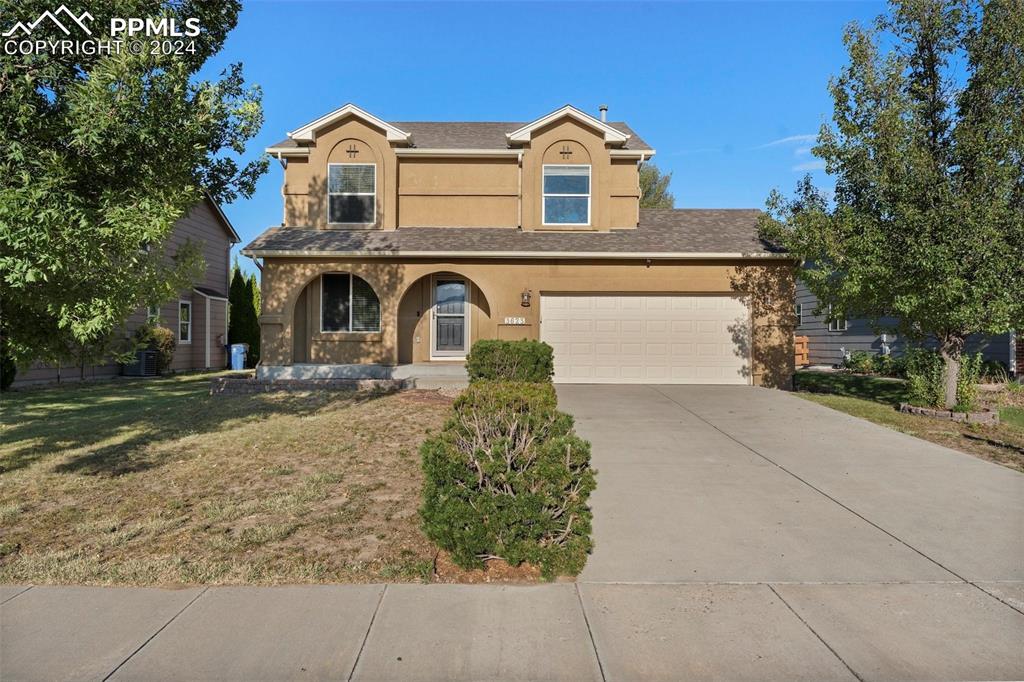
{"x": 203, "y": 227}
{"x": 825, "y": 347}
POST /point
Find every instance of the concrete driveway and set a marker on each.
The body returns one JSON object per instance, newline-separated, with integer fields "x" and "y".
{"x": 903, "y": 559}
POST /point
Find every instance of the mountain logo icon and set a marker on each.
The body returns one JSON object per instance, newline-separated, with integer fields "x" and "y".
{"x": 54, "y": 17}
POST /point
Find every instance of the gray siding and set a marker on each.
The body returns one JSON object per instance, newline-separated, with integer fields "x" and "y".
{"x": 826, "y": 347}
{"x": 202, "y": 226}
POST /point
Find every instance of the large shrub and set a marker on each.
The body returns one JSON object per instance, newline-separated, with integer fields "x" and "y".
{"x": 160, "y": 339}
{"x": 510, "y": 361}
{"x": 508, "y": 478}
{"x": 925, "y": 380}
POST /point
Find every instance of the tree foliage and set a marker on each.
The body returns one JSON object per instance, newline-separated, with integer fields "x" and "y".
{"x": 927, "y": 149}
{"x": 243, "y": 320}
{"x": 101, "y": 155}
{"x": 654, "y": 187}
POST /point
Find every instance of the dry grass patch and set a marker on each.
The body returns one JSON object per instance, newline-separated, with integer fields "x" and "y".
{"x": 156, "y": 482}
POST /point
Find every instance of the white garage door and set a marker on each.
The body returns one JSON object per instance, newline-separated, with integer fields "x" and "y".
{"x": 666, "y": 339}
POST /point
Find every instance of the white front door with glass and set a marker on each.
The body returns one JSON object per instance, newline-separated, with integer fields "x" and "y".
{"x": 450, "y": 326}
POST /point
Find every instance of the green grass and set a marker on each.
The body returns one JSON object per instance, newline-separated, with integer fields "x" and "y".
{"x": 1013, "y": 416}
{"x": 877, "y": 389}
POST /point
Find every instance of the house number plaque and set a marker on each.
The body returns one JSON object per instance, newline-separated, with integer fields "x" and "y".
{"x": 515, "y": 320}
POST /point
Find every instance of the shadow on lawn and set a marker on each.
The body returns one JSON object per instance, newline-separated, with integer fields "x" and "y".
{"x": 137, "y": 415}
{"x": 878, "y": 389}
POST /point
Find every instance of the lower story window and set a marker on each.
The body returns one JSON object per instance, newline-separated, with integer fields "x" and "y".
{"x": 184, "y": 322}
{"x": 348, "y": 304}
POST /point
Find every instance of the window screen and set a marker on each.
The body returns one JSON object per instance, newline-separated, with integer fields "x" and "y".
{"x": 335, "y": 303}
{"x": 351, "y": 192}
{"x": 348, "y": 303}
{"x": 567, "y": 195}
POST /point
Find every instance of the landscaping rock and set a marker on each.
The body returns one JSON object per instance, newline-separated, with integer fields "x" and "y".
{"x": 250, "y": 386}
{"x": 983, "y": 417}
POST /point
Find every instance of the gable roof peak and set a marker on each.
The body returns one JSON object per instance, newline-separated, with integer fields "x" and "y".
{"x": 611, "y": 135}
{"x": 307, "y": 133}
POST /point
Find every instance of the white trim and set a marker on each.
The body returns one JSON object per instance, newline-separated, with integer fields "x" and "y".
{"x": 308, "y": 131}
{"x": 207, "y": 334}
{"x": 418, "y": 151}
{"x": 544, "y": 195}
{"x": 190, "y": 328}
{"x": 590, "y": 255}
{"x": 287, "y": 151}
{"x": 642, "y": 154}
{"x": 799, "y": 310}
{"x": 466, "y": 317}
{"x": 352, "y": 194}
{"x": 350, "y": 308}
{"x": 211, "y": 296}
{"x": 610, "y": 134}
{"x": 834, "y": 325}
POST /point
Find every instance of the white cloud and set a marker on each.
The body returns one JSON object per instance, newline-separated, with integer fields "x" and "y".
{"x": 802, "y": 151}
{"x": 810, "y": 166}
{"x": 810, "y": 137}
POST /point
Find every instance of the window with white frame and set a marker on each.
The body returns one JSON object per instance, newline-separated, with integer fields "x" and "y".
{"x": 799, "y": 310}
{"x": 152, "y": 314}
{"x": 351, "y": 193}
{"x": 836, "y": 324}
{"x": 567, "y": 194}
{"x": 348, "y": 304}
{"x": 184, "y": 322}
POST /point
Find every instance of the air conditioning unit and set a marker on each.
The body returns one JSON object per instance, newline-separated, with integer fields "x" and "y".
{"x": 144, "y": 365}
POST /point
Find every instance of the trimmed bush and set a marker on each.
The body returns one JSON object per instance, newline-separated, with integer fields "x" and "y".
{"x": 508, "y": 478}
{"x": 160, "y": 339}
{"x": 494, "y": 360}
{"x": 860, "y": 361}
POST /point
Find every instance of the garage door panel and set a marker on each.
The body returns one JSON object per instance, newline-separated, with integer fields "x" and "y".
{"x": 647, "y": 338}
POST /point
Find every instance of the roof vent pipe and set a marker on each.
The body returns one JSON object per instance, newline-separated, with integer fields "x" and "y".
{"x": 604, "y": 112}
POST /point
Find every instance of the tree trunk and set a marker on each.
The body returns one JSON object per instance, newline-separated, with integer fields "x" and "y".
{"x": 951, "y": 349}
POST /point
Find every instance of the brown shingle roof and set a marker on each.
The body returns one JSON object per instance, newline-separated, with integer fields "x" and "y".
{"x": 472, "y": 134}
{"x": 668, "y": 231}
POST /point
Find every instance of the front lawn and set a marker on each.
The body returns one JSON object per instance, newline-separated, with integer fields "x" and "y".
{"x": 876, "y": 399}
{"x": 155, "y": 482}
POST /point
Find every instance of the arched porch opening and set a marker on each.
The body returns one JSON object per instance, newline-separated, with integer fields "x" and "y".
{"x": 439, "y": 317}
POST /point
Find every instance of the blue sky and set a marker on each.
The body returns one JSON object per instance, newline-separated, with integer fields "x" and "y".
{"x": 729, "y": 93}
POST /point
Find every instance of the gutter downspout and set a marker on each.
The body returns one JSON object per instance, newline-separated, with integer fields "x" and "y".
{"x": 519, "y": 197}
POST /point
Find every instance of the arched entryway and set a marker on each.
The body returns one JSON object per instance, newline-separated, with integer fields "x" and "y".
{"x": 439, "y": 317}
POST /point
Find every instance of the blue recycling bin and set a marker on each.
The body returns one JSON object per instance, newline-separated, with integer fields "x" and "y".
{"x": 238, "y": 353}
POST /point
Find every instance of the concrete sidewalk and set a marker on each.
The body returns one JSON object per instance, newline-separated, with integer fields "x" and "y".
{"x": 586, "y": 631}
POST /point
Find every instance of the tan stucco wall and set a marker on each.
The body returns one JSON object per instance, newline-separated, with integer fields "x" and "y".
{"x": 462, "y": 192}
{"x": 497, "y": 287}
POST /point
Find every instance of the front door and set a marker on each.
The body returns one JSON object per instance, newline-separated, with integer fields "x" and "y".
{"x": 451, "y": 328}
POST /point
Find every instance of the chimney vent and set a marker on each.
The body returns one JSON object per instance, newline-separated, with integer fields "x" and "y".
{"x": 604, "y": 112}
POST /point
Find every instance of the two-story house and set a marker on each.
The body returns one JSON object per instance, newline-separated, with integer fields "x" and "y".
{"x": 405, "y": 242}
{"x": 198, "y": 316}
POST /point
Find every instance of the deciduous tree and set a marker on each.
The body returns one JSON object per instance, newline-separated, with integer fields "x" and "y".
{"x": 927, "y": 150}
{"x": 101, "y": 153}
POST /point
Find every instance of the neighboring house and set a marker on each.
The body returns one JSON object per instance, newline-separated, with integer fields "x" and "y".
{"x": 829, "y": 342}
{"x": 406, "y": 242}
{"x": 199, "y": 316}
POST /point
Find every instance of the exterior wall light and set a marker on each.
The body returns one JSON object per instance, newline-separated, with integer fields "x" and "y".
{"x": 525, "y": 298}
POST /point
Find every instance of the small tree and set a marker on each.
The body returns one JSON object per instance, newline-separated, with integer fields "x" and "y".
{"x": 654, "y": 187}
{"x": 254, "y": 317}
{"x": 927, "y": 224}
{"x": 243, "y": 325}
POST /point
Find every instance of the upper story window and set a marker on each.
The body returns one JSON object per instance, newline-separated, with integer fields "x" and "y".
{"x": 348, "y": 304}
{"x": 567, "y": 194}
{"x": 351, "y": 193}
